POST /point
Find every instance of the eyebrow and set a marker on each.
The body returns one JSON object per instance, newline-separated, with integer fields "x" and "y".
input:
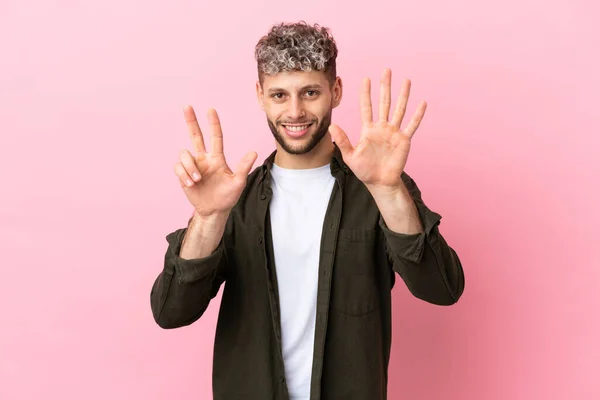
{"x": 302, "y": 89}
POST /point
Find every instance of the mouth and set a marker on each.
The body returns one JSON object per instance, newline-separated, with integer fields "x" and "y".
{"x": 296, "y": 131}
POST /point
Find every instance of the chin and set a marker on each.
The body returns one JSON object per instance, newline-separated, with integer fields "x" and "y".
{"x": 300, "y": 146}
{"x": 296, "y": 149}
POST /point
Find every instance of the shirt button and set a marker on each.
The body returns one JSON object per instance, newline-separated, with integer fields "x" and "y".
{"x": 260, "y": 240}
{"x": 263, "y": 197}
{"x": 282, "y": 379}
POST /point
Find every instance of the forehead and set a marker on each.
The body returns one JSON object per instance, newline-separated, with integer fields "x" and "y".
{"x": 294, "y": 80}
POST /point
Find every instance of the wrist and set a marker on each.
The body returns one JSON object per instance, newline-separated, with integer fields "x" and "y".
{"x": 384, "y": 192}
{"x": 203, "y": 234}
{"x": 212, "y": 219}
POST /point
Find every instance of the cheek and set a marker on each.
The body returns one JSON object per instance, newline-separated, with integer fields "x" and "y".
{"x": 271, "y": 117}
{"x": 320, "y": 115}
{"x": 273, "y": 113}
{"x": 321, "y": 108}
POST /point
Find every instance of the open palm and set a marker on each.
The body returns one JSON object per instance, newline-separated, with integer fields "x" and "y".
{"x": 380, "y": 155}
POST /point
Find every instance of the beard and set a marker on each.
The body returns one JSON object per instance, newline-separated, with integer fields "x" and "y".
{"x": 313, "y": 141}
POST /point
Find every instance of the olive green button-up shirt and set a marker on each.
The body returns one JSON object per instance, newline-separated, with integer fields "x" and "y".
{"x": 359, "y": 258}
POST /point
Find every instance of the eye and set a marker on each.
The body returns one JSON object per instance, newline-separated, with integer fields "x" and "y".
{"x": 277, "y": 96}
{"x": 312, "y": 93}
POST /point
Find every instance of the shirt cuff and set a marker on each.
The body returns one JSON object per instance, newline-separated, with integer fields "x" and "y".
{"x": 411, "y": 246}
{"x": 188, "y": 271}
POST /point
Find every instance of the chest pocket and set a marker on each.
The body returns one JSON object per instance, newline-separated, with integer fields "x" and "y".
{"x": 354, "y": 289}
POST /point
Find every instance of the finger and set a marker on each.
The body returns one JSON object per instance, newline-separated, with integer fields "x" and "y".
{"x": 188, "y": 162}
{"x": 366, "y": 109}
{"x": 184, "y": 178}
{"x": 216, "y": 138}
{"x": 194, "y": 129}
{"x": 341, "y": 139}
{"x": 401, "y": 104}
{"x": 416, "y": 119}
{"x": 245, "y": 165}
{"x": 385, "y": 95}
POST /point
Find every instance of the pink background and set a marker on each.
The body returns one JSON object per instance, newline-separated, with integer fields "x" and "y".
{"x": 91, "y": 94}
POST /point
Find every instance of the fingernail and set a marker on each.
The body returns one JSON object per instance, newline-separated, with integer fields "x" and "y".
{"x": 188, "y": 182}
{"x": 196, "y": 176}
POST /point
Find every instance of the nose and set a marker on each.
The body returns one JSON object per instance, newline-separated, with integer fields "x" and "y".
{"x": 296, "y": 110}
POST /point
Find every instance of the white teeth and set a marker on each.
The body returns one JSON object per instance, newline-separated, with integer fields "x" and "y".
{"x": 296, "y": 128}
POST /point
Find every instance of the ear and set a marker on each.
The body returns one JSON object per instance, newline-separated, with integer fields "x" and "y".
{"x": 260, "y": 95}
{"x": 337, "y": 92}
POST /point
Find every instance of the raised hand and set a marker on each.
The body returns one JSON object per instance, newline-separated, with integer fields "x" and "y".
{"x": 209, "y": 184}
{"x": 382, "y": 151}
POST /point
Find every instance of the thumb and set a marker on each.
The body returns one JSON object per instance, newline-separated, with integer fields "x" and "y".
{"x": 341, "y": 139}
{"x": 245, "y": 165}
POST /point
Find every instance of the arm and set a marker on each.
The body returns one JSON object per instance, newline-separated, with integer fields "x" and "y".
{"x": 194, "y": 269}
{"x": 415, "y": 248}
{"x": 417, "y": 251}
{"x": 195, "y": 262}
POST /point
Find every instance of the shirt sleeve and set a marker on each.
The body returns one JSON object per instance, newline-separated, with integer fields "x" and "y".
{"x": 189, "y": 271}
{"x": 430, "y": 268}
{"x": 183, "y": 290}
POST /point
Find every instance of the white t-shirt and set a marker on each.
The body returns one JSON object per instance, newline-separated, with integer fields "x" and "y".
{"x": 297, "y": 211}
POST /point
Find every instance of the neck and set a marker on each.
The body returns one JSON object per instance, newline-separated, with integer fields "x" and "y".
{"x": 317, "y": 157}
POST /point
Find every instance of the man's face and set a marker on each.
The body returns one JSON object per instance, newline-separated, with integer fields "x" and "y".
{"x": 298, "y": 106}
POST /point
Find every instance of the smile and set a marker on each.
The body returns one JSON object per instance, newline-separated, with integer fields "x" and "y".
{"x": 296, "y": 128}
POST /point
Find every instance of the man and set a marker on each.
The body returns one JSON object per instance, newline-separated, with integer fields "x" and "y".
{"x": 308, "y": 244}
